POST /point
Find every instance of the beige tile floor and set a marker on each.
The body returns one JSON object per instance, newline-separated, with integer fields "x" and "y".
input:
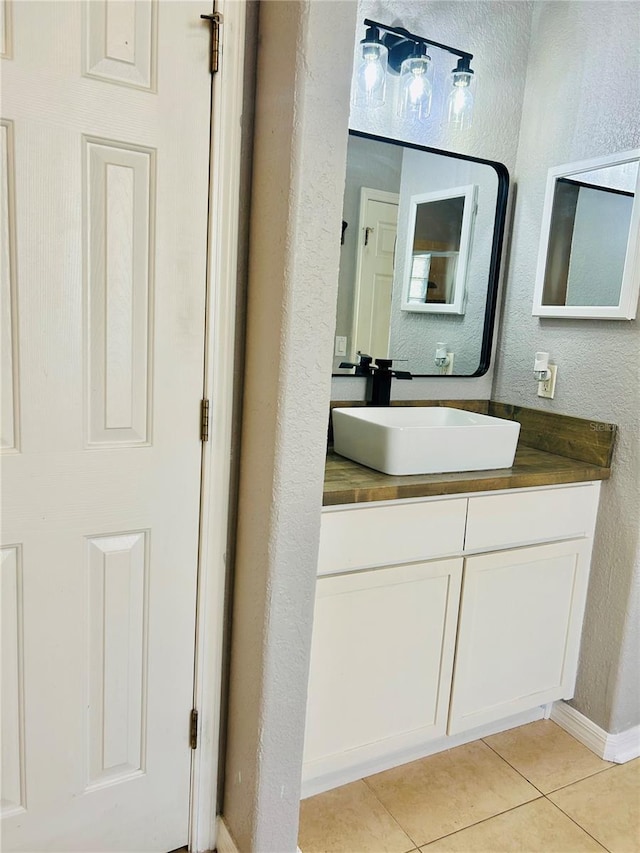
{"x": 533, "y": 789}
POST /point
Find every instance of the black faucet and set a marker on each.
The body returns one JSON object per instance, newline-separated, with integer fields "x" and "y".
{"x": 363, "y": 366}
{"x": 379, "y": 382}
{"x": 379, "y": 376}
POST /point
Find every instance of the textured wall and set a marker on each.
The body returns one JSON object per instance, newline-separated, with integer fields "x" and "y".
{"x": 293, "y": 276}
{"x": 497, "y": 33}
{"x": 581, "y": 104}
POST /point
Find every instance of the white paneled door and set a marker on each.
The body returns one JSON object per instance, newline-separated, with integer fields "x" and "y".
{"x": 378, "y": 226}
{"x": 105, "y": 151}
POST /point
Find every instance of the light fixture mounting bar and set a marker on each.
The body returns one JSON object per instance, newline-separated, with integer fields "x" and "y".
{"x": 405, "y": 34}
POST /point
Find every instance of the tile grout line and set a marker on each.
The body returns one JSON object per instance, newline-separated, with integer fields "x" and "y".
{"x": 508, "y": 763}
{"x": 584, "y": 778}
{"x": 575, "y": 822}
{"x": 513, "y": 809}
{"x": 539, "y": 795}
{"x": 484, "y": 820}
{"x": 392, "y": 816}
{"x": 462, "y": 828}
{"x": 612, "y": 766}
{"x": 561, "y": 788}
{"x": 475, "y": 823}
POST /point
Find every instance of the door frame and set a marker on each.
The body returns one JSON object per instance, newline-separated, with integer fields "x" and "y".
{"x": 219, "y": 387}
{"x": 367, "y": 194}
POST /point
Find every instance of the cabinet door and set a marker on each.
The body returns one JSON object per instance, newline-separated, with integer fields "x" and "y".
{"x": 519, "y": 632}
{"x": 381, "y": 662}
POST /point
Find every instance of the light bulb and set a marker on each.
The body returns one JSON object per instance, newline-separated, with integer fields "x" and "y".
{"x": 460, "y": 100}
{"x": 370, "y": 75}
{"x": 415, "y": 90}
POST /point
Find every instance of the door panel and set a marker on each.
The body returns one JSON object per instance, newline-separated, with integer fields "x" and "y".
{"x": 374, "y": 272}
{"x": 106, "y": 196}
{"x": 12, "y": 710}
{"x": 119, "y": 188}
{"x": 9, "y": 378}
{"x": 120, "y": 42}
{"x": 117, "y": 656}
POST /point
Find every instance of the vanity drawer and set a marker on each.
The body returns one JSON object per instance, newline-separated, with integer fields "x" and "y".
{"x": 364, "y": 536}
{"x": 519, "y": 518}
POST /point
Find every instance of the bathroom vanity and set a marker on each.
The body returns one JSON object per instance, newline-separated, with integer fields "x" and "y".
{"x": 447, "y": 604}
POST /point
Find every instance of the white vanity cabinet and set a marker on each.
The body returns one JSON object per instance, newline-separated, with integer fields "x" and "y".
{"x": 519, "y": 631}
{"x": 438, "y": 616}
{"x": 382, "y": 660}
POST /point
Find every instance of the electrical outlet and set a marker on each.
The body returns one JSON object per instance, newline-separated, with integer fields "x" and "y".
{"x": 449, "y": 368}
{"x": 547, "y": 388}
{"x": 340, "y": 345}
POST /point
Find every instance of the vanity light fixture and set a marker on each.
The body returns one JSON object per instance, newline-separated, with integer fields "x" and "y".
{"x": 400, "y": 52}
{"x": 460, "y": 100}
{"x": 370, "y": 73}
{"x": 416, "y": 88}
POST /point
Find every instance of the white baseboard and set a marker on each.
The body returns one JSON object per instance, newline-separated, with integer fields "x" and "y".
{"x": 224, "y": 841}
{"x": 347, "y": 767}
{"x": 620, "y": 748}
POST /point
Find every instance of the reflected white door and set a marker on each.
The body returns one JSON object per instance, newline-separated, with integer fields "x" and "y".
{"x": 374, "y": 272}
{"x": 105, "y": 180}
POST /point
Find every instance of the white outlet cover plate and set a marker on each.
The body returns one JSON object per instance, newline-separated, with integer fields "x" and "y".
{"x": 547, "y": 388}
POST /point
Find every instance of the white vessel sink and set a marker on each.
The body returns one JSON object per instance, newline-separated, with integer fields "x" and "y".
{"x": 424, "y": 439}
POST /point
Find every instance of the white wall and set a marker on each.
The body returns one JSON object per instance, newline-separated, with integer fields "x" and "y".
{"x": 582, "y": 100}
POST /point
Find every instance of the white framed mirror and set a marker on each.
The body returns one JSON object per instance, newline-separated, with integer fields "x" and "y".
{"x": 437, "y": 248}
{"x": 589, "y": 256}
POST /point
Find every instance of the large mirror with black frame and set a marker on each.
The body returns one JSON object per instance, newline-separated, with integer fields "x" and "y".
{"x": 422, "y": 236}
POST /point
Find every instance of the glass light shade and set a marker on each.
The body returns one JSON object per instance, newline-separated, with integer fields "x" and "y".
{"x": 370, "y": 75}
{"x": 415, "y": 88}
{"x": 460, "y": 100}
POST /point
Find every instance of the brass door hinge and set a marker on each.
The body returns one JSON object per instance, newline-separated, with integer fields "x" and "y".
{"x": 204, "y": 420}
{"x": 193, "y": 729}
{"x": 215, "y": 19}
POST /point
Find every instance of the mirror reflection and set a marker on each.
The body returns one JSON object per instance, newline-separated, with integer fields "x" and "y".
{"x": 586, "y": 264}
{"x": 422, "y": 233}
{"x": 439, "y": 239}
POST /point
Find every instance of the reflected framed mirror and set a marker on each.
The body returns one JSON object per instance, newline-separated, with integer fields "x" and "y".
{"x": 438, "y": 243}
{"x": 589, "y": 256}
{"x": 420, "y": 258}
